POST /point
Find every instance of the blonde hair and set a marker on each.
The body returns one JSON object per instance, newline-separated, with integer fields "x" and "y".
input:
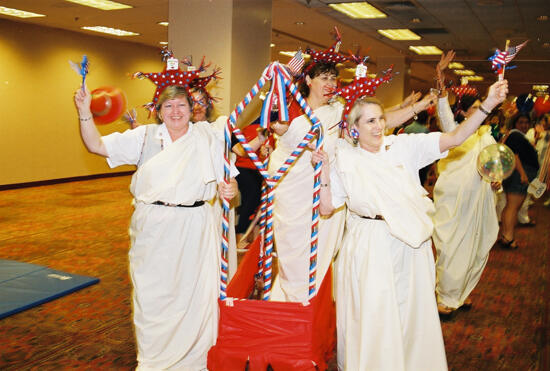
{"x": 171, "y": 92}
{"x": 355, "y": 113}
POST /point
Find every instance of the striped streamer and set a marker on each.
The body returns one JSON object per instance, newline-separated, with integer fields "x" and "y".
{"x": 280, "y": 80}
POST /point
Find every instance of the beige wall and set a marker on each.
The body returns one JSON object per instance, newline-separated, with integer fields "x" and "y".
{"x": 232, "y": 34}
{"x": 39, "y": 137}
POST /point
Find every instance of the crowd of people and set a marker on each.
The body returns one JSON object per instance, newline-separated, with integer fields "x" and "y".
{"x": 377, "y": 219}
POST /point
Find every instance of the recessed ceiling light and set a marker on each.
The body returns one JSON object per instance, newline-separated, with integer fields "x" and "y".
{"x": 110, "y": 31}
{"x": 546, "y": 45}
{"x": 358, "y": 10}
{"x": 163, "y": 42}
{"x": 101, "y": 4}
{"x": 457, "y": 65}
{"x": 163, "y": 24}
{"x": 416, "y": 20}
{"x": 399, "y": 34}
{"x": 426, "y": 50}
{"x": 299, "y": 23}
{"x": 542, "y": 18}
{"x": 271, "y": 45}
{"x": 464, "y": 72}
{"x": 18, "y": 13}
{"x": 540, "y": 87}
{"x": 472, "y": 78}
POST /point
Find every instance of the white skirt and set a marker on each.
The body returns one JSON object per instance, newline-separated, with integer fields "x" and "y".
{"x": 174, "y": 266}
{"x": 385, "y": 303}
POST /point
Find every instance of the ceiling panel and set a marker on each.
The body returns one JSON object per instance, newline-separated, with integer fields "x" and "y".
{"x": 475, "y": 28}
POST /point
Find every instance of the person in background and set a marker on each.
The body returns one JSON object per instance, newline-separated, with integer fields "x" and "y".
{"x": 203, "y": 106}
{"x": 249, "y": 179}
{"x": 419, "y": 124}
{"x": 465, "y": 219}
{"x": 515, "y": 186}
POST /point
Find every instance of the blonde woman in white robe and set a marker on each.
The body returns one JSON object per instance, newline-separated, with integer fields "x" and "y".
{"x": 465, "y": 220}
{"x": 175, "y": 241}
{"x": 384, "y": 274}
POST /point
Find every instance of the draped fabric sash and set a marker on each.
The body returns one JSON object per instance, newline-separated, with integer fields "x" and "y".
{"x": 376, "y": 186}
{"x": 173, "y": 175}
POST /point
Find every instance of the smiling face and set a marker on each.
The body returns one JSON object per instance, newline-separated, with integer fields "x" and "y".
{"x": 175, "y": 113}
{"x": 321, "y": 86}
{"x": 370, "y": 124}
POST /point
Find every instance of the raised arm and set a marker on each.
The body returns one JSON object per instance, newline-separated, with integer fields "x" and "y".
{"x": 497, "y": 94}
{"x": 88, "y": 131}
{"x": 398, "y": 117}
{"x": 411, "y": 99}
{"x": 440, "y": 76}
{"x": 446, "y": 117}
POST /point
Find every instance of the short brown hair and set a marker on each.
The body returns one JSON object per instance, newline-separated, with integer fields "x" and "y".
{"x": 317, "y": 69}
{"x": 171, "y": 92}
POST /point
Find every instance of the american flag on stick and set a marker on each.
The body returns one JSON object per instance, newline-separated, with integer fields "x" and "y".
{"x": 296, "y": 63}
{"x": 502, "y": 58}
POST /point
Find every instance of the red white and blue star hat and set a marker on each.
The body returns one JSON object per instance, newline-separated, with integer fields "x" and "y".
{"x": 361, "y": 86}
{"x": 170, "y": 75}
{"x": 331, "y": 55}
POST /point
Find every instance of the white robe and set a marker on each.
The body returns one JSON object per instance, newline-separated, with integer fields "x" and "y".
{"x": 293, "y": 210}
{"x": 465, "y": 221}
{"x": 174, "y": 255}
{"x": 384, "y": 274}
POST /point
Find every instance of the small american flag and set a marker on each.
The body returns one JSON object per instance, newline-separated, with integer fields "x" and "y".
{"x": 500, "y": 59}
{"x": 513, "y": 50}
{"x": 296, "y": 63}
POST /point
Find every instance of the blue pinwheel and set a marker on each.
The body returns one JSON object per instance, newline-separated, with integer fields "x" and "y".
{"x": 81, "y": 69}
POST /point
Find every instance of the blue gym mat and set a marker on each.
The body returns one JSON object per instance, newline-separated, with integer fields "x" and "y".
{"x": 24, "y": 285}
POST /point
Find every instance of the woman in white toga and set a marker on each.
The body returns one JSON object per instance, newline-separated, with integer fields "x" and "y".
{"x": 384, "y": 274}
{"x": 174, "y": 254}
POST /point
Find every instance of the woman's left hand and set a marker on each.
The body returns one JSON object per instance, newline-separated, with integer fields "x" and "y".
{"x": 318, "y": 156}
{"x": 427, "y": 101}
{"x": 228, "y": 191}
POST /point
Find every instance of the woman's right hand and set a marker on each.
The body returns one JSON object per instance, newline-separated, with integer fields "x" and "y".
{"x": 318, "y": 156}
{"x": 82, "y": 100}
{"x": 497, "y": 94}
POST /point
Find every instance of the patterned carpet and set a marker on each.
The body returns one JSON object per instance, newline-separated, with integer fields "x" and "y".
{"x": 81, "y": 227}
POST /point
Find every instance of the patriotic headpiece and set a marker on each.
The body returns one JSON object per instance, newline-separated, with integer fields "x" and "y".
{"x": 170, "y": 75}
{"x": 361, "y": 86}
{"x": 461, "y": 90}
{"x": 331, "y": 55}
{"x": 200, "y": 83}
